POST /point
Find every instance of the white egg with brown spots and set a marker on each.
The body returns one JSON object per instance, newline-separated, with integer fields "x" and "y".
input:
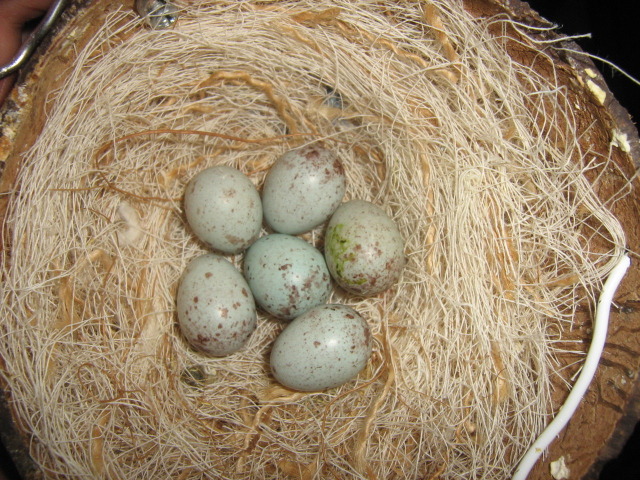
{"x": 223, "y": 208}
{"x": 302, "y": 189}
{"x": 324, "y": 348}
{"x": 216, "y": 311}
{"x": 287, "y": 275}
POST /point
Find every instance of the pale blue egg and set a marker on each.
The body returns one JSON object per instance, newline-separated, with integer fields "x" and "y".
{"x": 302, "y": 189}
{"x": 216, "y": 311}
{"x": 363, "y": 248}
{"x": 223, "y": 208}
{"x": 287, "y": 275}
{"x": 323, "y": 348}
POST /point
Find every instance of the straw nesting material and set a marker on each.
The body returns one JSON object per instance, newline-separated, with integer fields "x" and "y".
{"x": 474, "y": 156}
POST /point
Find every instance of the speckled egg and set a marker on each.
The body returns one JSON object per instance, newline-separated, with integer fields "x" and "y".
{"x": 223, "y": 208}
{"x": 287, "y": 275}
{"x": 302, "y": 189}
{"x": 216, "y": 311}
{"x": 363, "y": 248}
{"x": 323, "y": 348}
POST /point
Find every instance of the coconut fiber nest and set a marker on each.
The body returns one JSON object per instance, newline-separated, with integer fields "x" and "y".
{"x": 491, "y": 141}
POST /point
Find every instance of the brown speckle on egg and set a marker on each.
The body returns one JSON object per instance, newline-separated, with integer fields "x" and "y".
{"x": 223, "y": 209}
{"x": 302, "y": 189}
{"x": 214, "y": 314}
{"x": 323, "y": 348}
{"x": 364, "y": 248}
{"x": 287, "y": 275}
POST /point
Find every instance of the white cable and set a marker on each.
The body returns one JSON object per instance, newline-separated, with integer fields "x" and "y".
{"x": 586, "y": 375}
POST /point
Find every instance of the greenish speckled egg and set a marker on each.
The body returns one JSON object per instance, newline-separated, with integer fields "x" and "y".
{"x": 323, "y": 348}
{"x": 302, "y": 189}
{"x": 223, "y": 208}
{"x": 216, "y": 311}
{"x": 363, "y": 248}
{"x": 287, "y": 275}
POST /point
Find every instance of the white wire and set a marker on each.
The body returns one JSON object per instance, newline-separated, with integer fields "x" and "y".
{"x": 586, "y": 375}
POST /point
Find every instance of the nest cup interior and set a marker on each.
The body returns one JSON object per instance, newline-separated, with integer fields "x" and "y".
{"x": 480, "y": 159}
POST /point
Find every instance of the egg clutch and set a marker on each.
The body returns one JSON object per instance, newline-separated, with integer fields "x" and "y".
{"x": 323, "y": 345}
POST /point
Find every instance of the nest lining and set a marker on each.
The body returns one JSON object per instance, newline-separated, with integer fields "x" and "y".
{"x": 473, "y": 154}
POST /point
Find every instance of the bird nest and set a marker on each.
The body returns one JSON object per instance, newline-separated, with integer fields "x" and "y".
{"x": 479, "y": 156}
